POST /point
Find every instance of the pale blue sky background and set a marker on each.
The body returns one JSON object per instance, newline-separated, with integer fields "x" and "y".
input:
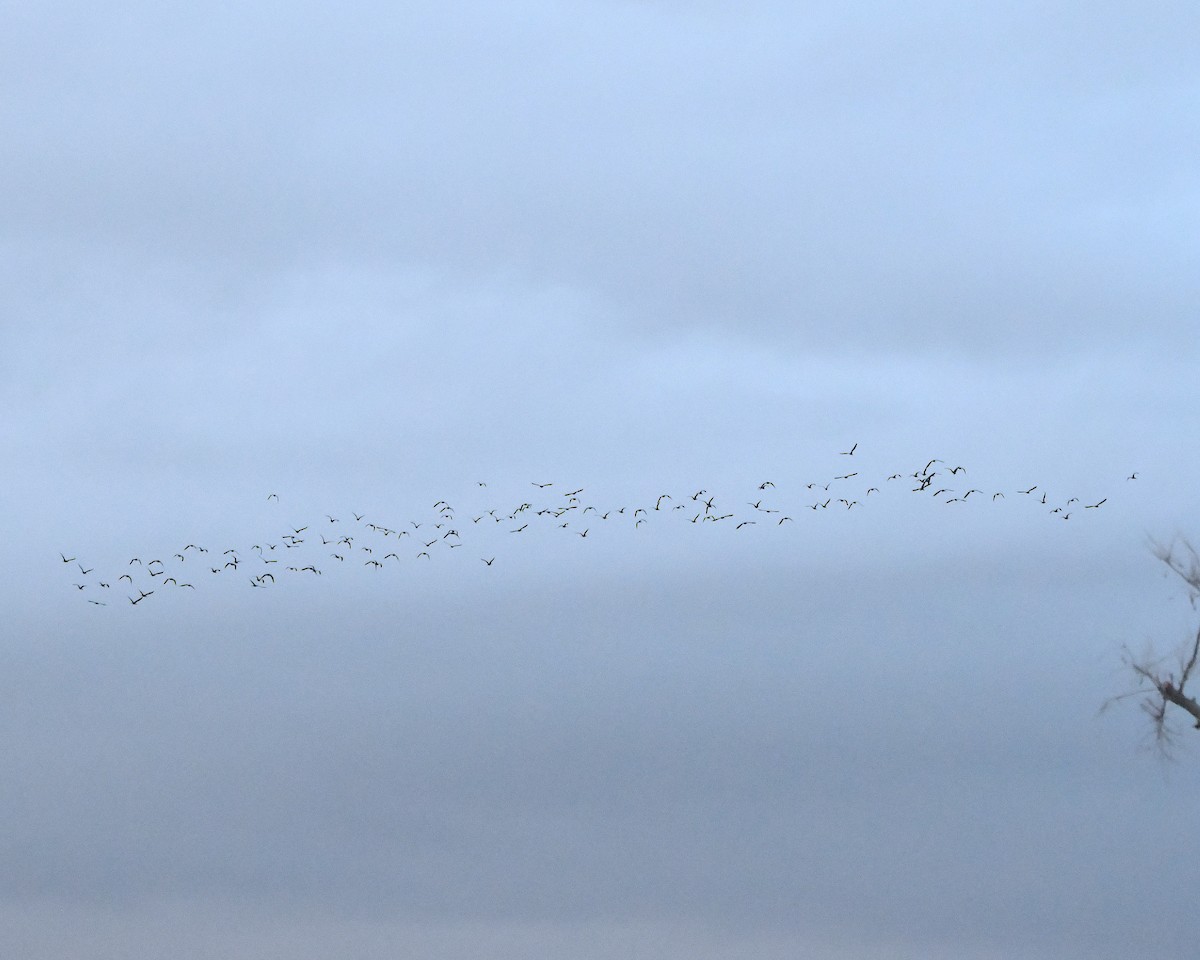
{"x": 369, "y": 257}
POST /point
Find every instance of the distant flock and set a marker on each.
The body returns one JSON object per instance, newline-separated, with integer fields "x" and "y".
{"x": 375, "y": 544}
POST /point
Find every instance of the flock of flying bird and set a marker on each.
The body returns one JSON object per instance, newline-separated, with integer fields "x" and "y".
{"x": 363, "y": 541}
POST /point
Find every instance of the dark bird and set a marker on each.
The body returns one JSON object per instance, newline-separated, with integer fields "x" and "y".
{"x": 99, "y": 603}
{"x": 957, "y": 469}
{"x": 272, "y": 496}
{"x": 85, "y": 572}
{"x": 542, "y": 486}
{"x": 765, "y": 484}
{"x": 850, "y": 452}
{"x": 358, "y": 516}
{"x": 489, "y": 562}
{"x": 1132, "y": 476}
{"x": 67, "y": 559}
{"x": 847, "y": 476}
{"x": 1093, "y": 506}
{"x": 1030, "y": 490}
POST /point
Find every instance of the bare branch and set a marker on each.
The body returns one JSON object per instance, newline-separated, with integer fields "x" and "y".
{"x": 1184, "y": 561}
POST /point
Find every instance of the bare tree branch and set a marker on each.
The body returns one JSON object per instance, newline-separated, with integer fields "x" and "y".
{"x": 1183, "y": 560}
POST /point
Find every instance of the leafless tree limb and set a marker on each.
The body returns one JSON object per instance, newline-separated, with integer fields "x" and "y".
{"x": 1182, "y": 559}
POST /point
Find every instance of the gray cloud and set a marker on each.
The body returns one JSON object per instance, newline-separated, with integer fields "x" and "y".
{"x": 372, "y": 259}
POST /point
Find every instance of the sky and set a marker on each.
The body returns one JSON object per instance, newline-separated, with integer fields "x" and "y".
{"x": 265, "y": 270}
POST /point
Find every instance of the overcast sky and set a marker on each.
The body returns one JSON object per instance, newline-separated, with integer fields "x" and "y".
{"x": 266, "y": 266}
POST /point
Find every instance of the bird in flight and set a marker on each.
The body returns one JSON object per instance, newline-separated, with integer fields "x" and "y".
{"x": 850, "y": 452}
